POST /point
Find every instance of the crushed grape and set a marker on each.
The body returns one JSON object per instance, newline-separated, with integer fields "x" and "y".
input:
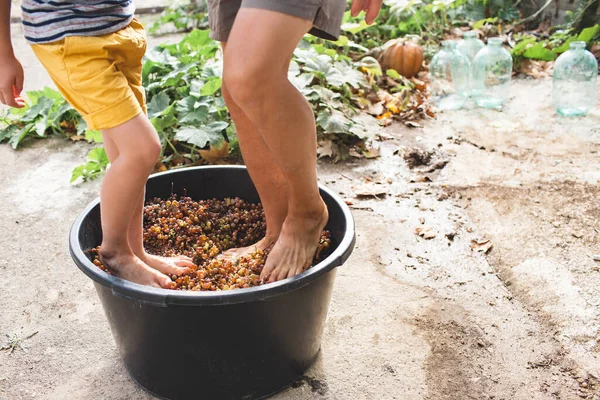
{"x": 202, "y": 230}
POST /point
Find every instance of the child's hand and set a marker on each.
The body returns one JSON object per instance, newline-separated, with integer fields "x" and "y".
{"x": 11, "y": 82}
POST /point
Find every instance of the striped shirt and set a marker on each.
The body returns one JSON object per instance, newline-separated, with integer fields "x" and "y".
{"x": 46, "y": 21}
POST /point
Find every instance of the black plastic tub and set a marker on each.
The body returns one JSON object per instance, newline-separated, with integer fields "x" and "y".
{"x": 239, "y": 344}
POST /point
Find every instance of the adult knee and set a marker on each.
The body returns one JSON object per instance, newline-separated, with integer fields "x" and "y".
{"x": 248, "y": 82}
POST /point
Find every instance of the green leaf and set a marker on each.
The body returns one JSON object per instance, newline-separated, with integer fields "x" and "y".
{"x": 589, "y": 34}
{"x": 301, "y": 81}
{"x": 539, "y": 52}
{"x": 370, "y": 65}
{"x": 93, "y": 136}
{"x": 203, "y": 135}
{"x": 565, "y": 46}
{"x": 197, "y": 39}
{"x": 342, "y": 41}
{"x": 334, "y": 122}
{"x": 343, "y": 73}
{"x": 158, "y": 104}
{"x": 211, "y": 87}
{"x": 20, "y": 134}
{"x": 522, "y": 46}
{"x": 163, "y": 122}
{"x": 191, "y": 109}
{"x": 98, "y": 155}
{"x": 392, "y": 73}
{"x": 8, "y": 132}
{"x": 354, "y": 27}
{"x": 479, "y": 24}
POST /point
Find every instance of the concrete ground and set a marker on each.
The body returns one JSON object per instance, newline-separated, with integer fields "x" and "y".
{"x": 411, "y": 318}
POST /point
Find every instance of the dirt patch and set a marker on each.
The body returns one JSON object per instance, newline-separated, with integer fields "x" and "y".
{"x": 425, "y": 160}
{"x": 316, "y": 386}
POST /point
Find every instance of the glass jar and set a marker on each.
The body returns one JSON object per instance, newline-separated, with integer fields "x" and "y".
{"x": 492, "y": 70}
{"x": 449, "y": 71}
{"x": 470, "y": 45}
{"x": 574, "y": 81}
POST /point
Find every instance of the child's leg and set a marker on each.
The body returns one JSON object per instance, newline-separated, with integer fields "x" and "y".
{"x": 137, "y": 148}
{"x": 166, "y": 265}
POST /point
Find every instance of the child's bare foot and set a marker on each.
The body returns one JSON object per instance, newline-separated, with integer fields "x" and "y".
{"x": 262, "y": 244}
{"x": 178, "y": 265}
{"x": 294, "y": 250}
{"x": 131, "y": 268}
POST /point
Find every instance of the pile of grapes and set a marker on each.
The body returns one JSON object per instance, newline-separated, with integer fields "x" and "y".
{"x": 203, "y": 230}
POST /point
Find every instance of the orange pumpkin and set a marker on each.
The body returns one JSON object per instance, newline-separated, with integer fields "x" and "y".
{"x": 404, "y": 57}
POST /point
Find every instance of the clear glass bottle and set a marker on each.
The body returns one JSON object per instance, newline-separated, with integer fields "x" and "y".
{"x": 574, "y": 81}
{"x": 449, "y": 71}
{"x": 470, "y": 45}
{"x": 492, "y": 70}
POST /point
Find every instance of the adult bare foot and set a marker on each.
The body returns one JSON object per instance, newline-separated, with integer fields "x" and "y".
{"x": 177, "y": 265}
{"x": 131, "y": 268}
{"x": 238, "y": 252}
{"x": 295, "y": 249}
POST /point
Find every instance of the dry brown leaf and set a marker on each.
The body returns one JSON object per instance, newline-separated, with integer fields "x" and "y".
{"x": 372, "y": 150}
{"x": 371, "y": 190}
{"x": 412, "y": 124}
{"x": 426, "y": 232}
{"x": 77, "y": 138}
{"x": 376, "y": 109}
{"x": 536, "y": 69}
{"x": 355, "y": 153}
{"x": 213, "y": 153}
{"x": 159, "y": 167}
{"x": 482, "y": 245}
{"x": 325, "y": 148}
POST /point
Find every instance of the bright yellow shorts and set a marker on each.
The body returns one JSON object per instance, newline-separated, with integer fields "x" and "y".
{"x": 101, "y": 76}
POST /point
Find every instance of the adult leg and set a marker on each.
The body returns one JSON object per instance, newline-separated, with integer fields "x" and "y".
{"x": 268, "y": 178}
{"x": 257, "y": 59}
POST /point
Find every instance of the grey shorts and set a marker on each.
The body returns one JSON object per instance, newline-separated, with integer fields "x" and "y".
{"x": 326, "y": 15}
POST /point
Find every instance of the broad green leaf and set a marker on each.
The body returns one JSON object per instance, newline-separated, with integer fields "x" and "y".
{"x": 565, "y": 46}
{"x": 41, "y": 106}
{"x": 8, "y": 132}
{"x": 539, "y": 52}
{"x": 354, "y": 27}
{"x": 191, "y": 109}
{"x": 158, "y": 104}
{"x": 301, "y": 81}
{"x": 342, "y": 73}
{"x": 93, "y": 136}
{"x": 334, "y": 122}
{"x": 203, "y": 135}
{"x": 342, "y": 41}
{"x": 371, "y": 65}
{"x": 589, "y": 34}
{"x": 294, "y": 69}
{"x": 392, "y": 73}
{"x": 479, "y": 24}
{"x": 98, "y": 155}
{"x": 20, "y": 134}
{"x": 197, "y": 39}
{"x": 211, "y": 87}
{"x": 163, "y": 122}
{"x": 522, "y": 46}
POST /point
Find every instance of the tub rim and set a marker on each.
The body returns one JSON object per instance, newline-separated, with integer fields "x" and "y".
{"x": 166, "y": 297}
